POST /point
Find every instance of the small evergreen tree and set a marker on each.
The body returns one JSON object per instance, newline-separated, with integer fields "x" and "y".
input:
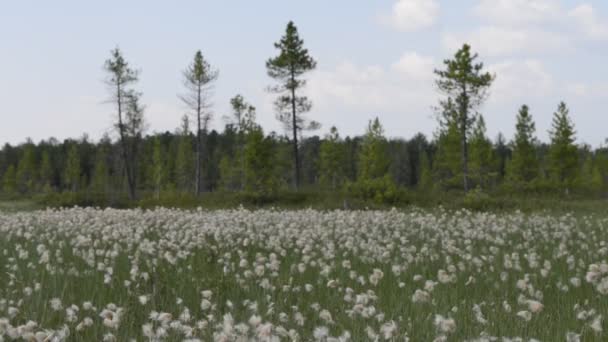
{"x": 331, "y": 160}
{"x": 563, "y": 154}
{"x": 259, "y": 163}
{"x": 373, "y": 157}
{"x": 482, "y": 156}
{"x": 524, "y": 165}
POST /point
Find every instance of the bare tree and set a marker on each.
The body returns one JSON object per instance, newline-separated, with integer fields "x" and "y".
{"x": 198, "y": 80}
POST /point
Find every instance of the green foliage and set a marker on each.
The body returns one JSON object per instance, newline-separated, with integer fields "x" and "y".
{"x": 373, "y": 156}
{"x": 159, "y": 170}
{"x": 9, "y": 180}
{"x": 101, "y": 180}
{"x": 331, "y": 161}
{"x": 379, "y": 190}
{"x": 464, "y": 82}
{"x": 287, "y": 68}
{"x": 447, "y": 165}
{"x": 259, "y": 163}
{"x": 425, "y": 182}
{"x": 563, "y": 154}
{"x": 26, "y": 170}
{"x": 184, "y": 161}
{"x": 72, "y": 173}
{"x": 477, "y": 200}
{"x": 524, "y": 166}
{"x": 46, "y": 172}
{"x": 483, "y": 161}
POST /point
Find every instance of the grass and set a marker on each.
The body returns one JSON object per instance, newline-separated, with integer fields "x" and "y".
{"x": 171, "y": 256}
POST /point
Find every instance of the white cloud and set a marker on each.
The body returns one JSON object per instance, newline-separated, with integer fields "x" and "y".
{"x": 499, "y": 41}
{"x": 520, "y": 81}
{"x": 414, "y": 66}
{"x": 588, "y": 22}
{"x": 517, "y": 11}
{"x": 413, "y": 15}
{"x": 402, "y": 94}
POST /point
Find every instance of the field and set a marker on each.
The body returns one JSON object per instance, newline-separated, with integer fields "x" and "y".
{"x": 271, "y": 275}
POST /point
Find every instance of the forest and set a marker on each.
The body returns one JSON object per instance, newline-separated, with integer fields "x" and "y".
{"x": 247, "y": 165}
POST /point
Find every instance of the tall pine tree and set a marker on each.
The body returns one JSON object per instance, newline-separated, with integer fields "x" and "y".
{"x": 287, "y": 68}
{"x": 467, "y": 84}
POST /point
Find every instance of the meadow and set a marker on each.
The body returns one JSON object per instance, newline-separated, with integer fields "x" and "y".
{"x": 302, "y": 275}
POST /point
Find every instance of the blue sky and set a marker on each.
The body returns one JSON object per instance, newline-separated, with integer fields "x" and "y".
{"x": 375, "y": 58}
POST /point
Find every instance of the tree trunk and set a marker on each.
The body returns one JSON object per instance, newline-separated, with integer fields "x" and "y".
{"x": 199, "y": 148}
{"x": 295, "y": 133}
{"x": 463, "y": 136}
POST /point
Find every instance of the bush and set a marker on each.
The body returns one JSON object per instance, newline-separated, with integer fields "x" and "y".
{"x": 378, "y": 190}
{"x": 478, "y": 200}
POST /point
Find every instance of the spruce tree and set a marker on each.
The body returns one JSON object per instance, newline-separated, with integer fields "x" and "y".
{"x": 287, "y": 68}
{"x": 524, "y": 166}
{"x": 482, "y": 156}
{"x": 373, "y": 157}
{"x": 331, "y": 160}
{"x": 563, "y": 153}
{"x": 259, "y": 157}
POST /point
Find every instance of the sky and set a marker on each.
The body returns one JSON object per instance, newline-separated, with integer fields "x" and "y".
{"x": 375, "y": 58}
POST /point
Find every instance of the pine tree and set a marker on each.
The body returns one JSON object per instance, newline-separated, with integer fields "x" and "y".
{"x": 72, "y": 171}
{"x": 373, "y": 157}
{"x": 465, "y": 82}
{"x": 199, "y": 78}
{"x": 120, "y": 77}
{"x": 563, "y": 153}
{"x": 331, "y": 160}
{"x": 292, "y": 62}
{"x": 524, "y": 166}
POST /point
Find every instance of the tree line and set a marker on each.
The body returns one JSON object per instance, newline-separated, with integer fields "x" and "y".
{"x": 195, "y": 159}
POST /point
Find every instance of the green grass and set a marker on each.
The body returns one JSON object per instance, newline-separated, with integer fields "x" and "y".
{"x": 422, "y": 242}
